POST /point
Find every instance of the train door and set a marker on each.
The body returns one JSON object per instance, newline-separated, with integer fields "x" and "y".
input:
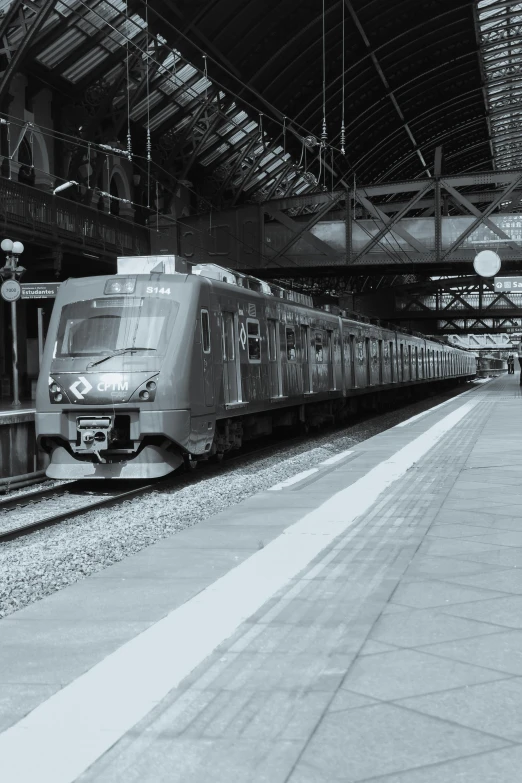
{"x": 231, "y": 368}
{"x": 353, "y": 383}
{"x": 416, "y": 363}
{"x": 368, "y": 362}
{"x": 410, "y": 366}
{"x": 305, "y": 364}
{"x": 392, "y": 366}
{"x": 380, "y": 358}
{"x": 208, "y": 370}
{"x": 274, "y": 358}
{"x": 401, "y": 351}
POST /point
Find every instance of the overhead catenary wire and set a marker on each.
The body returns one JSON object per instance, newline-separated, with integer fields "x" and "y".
{"x": 284, "y": 121}
{"x": 324, "y": 133}
{"x": 343, "y": 42}
{"x": 277, "y": 115}
{"x": 148, "y": 141}
{"x": 129, "y": 138}
{"x": 147, "y": 56}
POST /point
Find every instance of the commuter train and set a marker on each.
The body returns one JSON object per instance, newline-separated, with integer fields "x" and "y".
{"x": 142, "y": 372}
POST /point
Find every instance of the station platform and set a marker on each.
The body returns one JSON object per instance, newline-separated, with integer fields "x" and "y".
{"x": 363, "y": 623}
{"x": 19, "y": 457}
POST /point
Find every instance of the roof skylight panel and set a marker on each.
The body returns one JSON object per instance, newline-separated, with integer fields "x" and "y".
{"x": 185, "y": 120}
{"x": 241, "y": 133}
{"x": 214, "y": 154}
{"x": 66, "y": 8}
{"x": 85, "y": 64}
{"x": 159, "y": 118}
{"x": 500, "y": 36}
{"x": 233, "y": 140}
{"x": 140, "y": 109}
{"x": 125, "y": 31}
{"x": 61, "y": 48}
{"x": 96, "y": 18}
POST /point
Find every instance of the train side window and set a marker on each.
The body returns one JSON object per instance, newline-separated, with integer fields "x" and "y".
{"x": 318, "y": 342}
{"x": 205, "y": 331}
{"x": 291, "y": 351}
{"x": 254, "y": 341}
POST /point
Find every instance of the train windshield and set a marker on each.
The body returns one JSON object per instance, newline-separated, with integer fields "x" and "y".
{"x": 101, "y": 327}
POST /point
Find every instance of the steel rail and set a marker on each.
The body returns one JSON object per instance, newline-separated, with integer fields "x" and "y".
{"x": 52, "y": 519}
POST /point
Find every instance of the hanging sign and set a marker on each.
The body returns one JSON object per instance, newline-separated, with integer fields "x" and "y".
{"x": 40, "y": 290}
{"x": 10, "y": 290}
{"x": 511, "y": 283}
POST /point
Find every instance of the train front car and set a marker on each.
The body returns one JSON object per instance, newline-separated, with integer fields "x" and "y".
{"x": 113, "y": 393}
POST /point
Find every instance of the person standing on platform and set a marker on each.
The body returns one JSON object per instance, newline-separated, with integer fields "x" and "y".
{"x": 519, "y": 354}
{"x": 511, "y": 364}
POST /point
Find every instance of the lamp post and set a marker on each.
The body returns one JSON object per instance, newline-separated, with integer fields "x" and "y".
{"x": 11, "y": 292}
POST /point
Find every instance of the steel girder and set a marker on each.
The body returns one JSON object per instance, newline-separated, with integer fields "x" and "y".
{"x": 482, "y": 196}
{"x": 457, "y": 304}
{"x": 18, "y": 30}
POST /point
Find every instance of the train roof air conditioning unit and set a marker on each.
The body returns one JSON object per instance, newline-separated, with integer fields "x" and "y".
{"x": 215, "y": 272}
{"x": 145, "y": 265}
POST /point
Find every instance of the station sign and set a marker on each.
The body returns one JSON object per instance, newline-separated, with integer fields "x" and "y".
{"x": 40, "y": 290}
{"x": 10, "y": 290}
{"x": 511, "y": 283}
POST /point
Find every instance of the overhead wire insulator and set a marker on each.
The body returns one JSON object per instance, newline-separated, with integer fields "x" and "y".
{"x": 324, "y": 134}
{"x": 343, "y": 139}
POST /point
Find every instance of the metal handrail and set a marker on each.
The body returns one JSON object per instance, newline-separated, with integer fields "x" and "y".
{"x": 45, "y": 214}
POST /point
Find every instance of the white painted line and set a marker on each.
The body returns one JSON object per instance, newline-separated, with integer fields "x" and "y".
{"x": 336, "y": 458}
{"x": 66, "y": 734}
{"x": 430, "y": 410}
{"x": 293, "y": 479}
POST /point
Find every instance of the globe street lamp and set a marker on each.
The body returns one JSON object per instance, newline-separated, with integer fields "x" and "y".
{"x": 11, "y": 292}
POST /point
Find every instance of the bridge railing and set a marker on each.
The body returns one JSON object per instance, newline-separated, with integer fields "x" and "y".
{"x": 41, "y": 215}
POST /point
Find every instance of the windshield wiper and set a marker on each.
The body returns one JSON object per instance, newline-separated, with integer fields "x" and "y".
{"x": 131, "y": 349}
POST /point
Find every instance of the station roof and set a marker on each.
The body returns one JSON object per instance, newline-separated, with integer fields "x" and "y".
{"x": 236, "y": 90}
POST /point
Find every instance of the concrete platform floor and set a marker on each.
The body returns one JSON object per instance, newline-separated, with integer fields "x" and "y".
{"x": 364, "y": 624}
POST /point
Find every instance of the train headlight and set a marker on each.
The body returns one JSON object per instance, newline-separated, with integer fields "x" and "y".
{"x": 120, "y": 285}
{"x": 56, "y": 393}
{"x": 146, "y": 392}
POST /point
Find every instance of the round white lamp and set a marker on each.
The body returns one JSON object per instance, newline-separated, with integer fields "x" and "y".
{"x": 486, "y": 263}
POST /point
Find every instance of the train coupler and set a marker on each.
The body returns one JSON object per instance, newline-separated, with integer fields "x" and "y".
{"x": 93, "y": 435}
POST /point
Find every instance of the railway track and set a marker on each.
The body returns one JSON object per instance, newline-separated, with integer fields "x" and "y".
{"x": 34, "y": 503}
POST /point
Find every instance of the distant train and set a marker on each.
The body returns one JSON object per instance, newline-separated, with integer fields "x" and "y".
{"x": 142, "y": 372}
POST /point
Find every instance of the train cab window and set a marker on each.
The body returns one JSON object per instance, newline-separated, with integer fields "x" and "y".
{"x": 318, "y": 341}
{"x": 205, "y": 331}
{"x": 116, "y": 325}
{"x": 254, "y": 341}
{"x": 291, "y": 349}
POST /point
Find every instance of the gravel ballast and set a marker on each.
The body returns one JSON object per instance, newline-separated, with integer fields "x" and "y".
{"x": 45, "y": 561}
